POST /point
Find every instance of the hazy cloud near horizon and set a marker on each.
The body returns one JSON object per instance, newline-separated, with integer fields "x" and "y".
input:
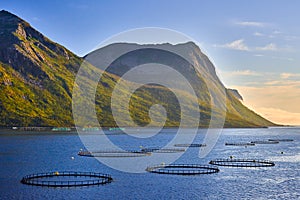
{"x": 268, "y": 93}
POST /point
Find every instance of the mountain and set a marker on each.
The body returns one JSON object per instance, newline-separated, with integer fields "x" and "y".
{"x": 37, "y": 77}
{"x": 236, "y": 94}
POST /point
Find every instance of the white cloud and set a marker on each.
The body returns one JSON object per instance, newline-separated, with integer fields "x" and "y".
{"x": 282, "y": 58}
{"x": 278, "y": 35}
{"x": 276, "y": 32}
{"x": 258, "y": 55}
{"x": 279, "y": 80}
{"x": 268, "y": 83}
{"x": 251, "y": 23}
{"x": 258, "y": 34}
{"x": 291, "y": 37}
{"x": 245, "y": 73}
{"x": 240, "y": 45}
{"x": 289, "y": 75}
{"x": 285, "y": 75}
{"x": 229, "y": 76}
{"x": 236, "y": 45}
{"x": 268, "y": 47}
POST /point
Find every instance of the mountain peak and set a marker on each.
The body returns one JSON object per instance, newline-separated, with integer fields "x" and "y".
{"x": 11, "y": 23}
{"x": 5, "y": 12}
{"x": 26, "y": 49}
{"x": 7, "y": 16}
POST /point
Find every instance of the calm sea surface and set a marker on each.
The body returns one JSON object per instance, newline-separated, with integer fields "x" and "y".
{"x": 23, "y": 153}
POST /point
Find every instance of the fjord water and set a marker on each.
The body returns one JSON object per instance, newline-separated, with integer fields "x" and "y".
{"x": 23, "y": 153}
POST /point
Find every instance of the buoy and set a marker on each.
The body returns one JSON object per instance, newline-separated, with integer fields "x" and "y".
{"x": 282, "y": 152}
{"x": 231, "y": 157}
{"x": 72, "y": 158}
{"x": 56, "y": 173}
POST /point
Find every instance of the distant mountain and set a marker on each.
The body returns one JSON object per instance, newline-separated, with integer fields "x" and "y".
{"x": 205, "y": 76}
{"x": 37, "y": 77}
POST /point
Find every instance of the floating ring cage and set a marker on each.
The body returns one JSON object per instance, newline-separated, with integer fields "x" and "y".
{"x": 182, "y": 169}
{"x": 281, "y": 140}
{"x": 162, "y": 150}
{"x": 265, "y": 142}
{"x": 190, "y": 145}
{"x": 113, "y": 153}
{"x": 239, "y": 144}
{"x": 242, "y": 163}
{"x": 44, "y": 179}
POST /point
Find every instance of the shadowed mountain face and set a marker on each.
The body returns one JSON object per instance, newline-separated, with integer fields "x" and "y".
{"x": 37, "y": 78}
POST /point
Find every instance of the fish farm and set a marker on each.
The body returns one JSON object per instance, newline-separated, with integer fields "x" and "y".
{"x": 183, "y": 169}
{"x": 265, "y": 142}
{"x": 66, "y": 179}
{"x": 114, "y": 153}
{"x": 242, "y": 163}
{"x": 190, "y": 145}
{"x": 162, "y": 150}
{"x": 240, "y": 144}
{"x": 281, "y": 140}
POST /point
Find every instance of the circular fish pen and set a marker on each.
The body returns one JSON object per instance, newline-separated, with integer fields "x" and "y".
{"x": 190, "y": 145}
{"x": 66, "y": 179}
{"x": 239, "y": 144}
{"x": 182, "y": 169}
{"x": 265, "y": 142}
{"x": 281, "y": 140}
{"x": 242, "y": 163}
{"x": 162, "y": 150}
{"x": 113, "y": 154}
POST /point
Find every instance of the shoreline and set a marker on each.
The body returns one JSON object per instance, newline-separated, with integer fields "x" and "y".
{"x": 73, "y": 130}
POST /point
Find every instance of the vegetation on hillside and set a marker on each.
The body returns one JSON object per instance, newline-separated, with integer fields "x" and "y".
{"x": 37, "y": 78}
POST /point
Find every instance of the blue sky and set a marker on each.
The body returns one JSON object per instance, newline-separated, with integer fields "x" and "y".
{"x": 255, "y": 45}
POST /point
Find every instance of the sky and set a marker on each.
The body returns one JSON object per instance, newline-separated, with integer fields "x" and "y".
{"x": 254, "y": 45}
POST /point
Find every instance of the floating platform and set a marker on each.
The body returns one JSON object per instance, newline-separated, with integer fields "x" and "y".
{"x": 240, "y": 144}
{"x": 114, "y": 153}
{"x": 281, "y": 140}
{"x": 190, "y": 145}
{"x": 90, "y": 129}
{"x": 242, "y": 163}
{"x": 264, "y": 142}
{"x": 30, "y": 128}
{"x": 162, "y": 150}
{"x": 39, "y": 179}
{"x": 116, "y": 129}
{"x": 182, "y": 169}
{"x": 61, "y": 129}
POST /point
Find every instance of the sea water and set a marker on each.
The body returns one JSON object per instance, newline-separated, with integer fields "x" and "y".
{"x": 23, "y": 153}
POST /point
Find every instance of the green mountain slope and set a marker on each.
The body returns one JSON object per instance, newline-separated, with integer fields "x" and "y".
{"x": 37, "y": 78}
